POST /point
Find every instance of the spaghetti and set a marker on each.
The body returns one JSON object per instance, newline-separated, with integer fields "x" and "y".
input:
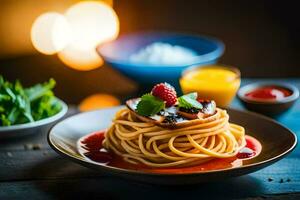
{"x": 198, "y": 141}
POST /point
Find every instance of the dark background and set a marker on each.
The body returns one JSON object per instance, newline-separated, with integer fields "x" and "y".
{"x": 261, "y": 38}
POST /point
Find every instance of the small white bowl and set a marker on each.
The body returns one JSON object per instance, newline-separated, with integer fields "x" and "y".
{"x": 32, "y": 127}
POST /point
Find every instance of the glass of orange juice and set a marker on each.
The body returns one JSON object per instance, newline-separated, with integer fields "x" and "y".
{"x": 214, "y": 82}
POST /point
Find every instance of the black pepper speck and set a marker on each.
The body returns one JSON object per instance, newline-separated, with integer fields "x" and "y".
{"x": 281, "y": 180}
{"x": 270, "y": 179}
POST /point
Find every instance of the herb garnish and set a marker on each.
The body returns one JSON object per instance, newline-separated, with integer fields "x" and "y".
{"x": 149, "y": 105}
{"x": 189, "y": 101}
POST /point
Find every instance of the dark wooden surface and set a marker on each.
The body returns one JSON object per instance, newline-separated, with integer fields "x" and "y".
{"x": 30, "y": 169}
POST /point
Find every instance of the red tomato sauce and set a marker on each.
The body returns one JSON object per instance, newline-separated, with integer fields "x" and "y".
{"x": 269, "y": 93}
{"x": 91, "y": 147}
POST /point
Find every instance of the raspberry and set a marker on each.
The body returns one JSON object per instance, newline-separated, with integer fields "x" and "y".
{"x": 165, "y": 92}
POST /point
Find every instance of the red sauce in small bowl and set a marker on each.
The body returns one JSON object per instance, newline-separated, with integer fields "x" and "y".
{"x": 268, "y": 93}
{"x": 90, "y": 146}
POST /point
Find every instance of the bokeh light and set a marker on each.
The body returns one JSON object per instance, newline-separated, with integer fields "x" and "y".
{"x": 92, "y": 23}
{"x": 80, "y": 59}
{"x": 108, "y": 2}
{"x": 50, "y": 33}
{"x": 76, "y": 34}
{"x": 98, "y": 101}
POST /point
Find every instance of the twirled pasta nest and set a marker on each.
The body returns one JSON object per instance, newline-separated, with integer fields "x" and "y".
{"x": 196, "y": 141}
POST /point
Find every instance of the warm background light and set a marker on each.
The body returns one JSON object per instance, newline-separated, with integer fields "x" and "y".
{"x": 97, "y": 101}
{"x": 108, "y": 2}
{"x": 76, "y": 34}
{"x": 16, "y": 19}
{"x": 91, "y": 23}
{"x": 50, "y": 33}
{"x": 80, "y": 59}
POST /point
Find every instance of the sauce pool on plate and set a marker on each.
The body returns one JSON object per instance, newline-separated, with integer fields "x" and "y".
{"x": 90, "y": 146}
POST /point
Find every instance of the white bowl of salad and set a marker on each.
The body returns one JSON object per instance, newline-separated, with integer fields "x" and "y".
{"x": 25, "y": 111}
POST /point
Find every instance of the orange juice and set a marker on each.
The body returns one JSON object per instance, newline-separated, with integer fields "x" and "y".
{"x": 212, "y": 82}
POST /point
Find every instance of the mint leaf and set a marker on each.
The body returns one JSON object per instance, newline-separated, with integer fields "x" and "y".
{"x": 189, "y": 101}
{"x": 149, "y": 105}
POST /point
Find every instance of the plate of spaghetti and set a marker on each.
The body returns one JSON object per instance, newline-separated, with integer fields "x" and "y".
{"x": 165, "y": 139}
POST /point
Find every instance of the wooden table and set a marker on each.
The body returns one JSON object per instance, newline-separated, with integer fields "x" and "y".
{"x": 30, "y": 169}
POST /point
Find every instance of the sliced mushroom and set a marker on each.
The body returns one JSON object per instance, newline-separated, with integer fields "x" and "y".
{"x": 209, "y": 107}
{"x": 188, "y": 115}
{"x": 168, "y": 118}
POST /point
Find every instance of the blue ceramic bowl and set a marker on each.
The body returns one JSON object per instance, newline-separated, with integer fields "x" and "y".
{"x": 117, "y": 53}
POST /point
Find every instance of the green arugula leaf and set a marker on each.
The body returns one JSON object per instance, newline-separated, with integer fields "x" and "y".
{"x": 1, "y": 81}
{"x": 4, "y": 121}
{"x": 10, "y": 92}
{"x": 13, "y": 115}
{"x": 39, "y": 90}
{"x": 149, "y": 105}
{"x": 2, "y": 109}
{"x": 19, "y": 105}
{"x": 48, "y": 105}
{"x": 189, "y": 101}
{"x": 4, "y": 97}
{"x": 22, "y": 101}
